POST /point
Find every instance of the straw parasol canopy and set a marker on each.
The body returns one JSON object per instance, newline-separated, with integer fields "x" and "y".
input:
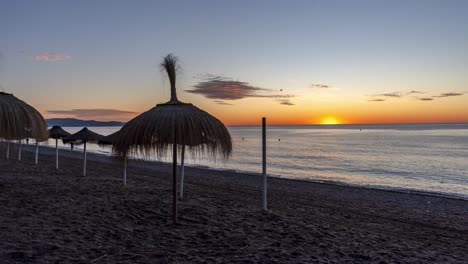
{"x": 57, "y": 132}
{"x": 175, "y": 124}
{"x": 84, "y": 135}
{"x": 107, "y": 140}
{"x": 18, "y": 120}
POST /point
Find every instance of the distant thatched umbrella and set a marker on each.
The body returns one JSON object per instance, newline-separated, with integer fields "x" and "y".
{"x": 173, "y": 123}
{"x": 84, "y": 135}
{"x": 18, "y": 120}
{"x": 57, "y": 132}
{"x": 107, "y": 141}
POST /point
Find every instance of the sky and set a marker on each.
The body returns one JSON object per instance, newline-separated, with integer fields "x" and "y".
{"x": 293, "y": 62}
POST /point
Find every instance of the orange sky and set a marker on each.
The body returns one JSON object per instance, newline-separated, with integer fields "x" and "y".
{"x": 357, "y": 110}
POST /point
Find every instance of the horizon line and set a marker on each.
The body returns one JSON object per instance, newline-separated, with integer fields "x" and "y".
{"x": 303, "y": 124}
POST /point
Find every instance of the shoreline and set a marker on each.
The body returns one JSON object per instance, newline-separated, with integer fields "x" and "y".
{"x": 140, "y": 163}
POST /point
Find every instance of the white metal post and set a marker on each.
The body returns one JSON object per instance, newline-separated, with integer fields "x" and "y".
{"x": 181, "y": 186}
{"x": 174, "y": 176}
{"x": 125, "y": 172}
{"x": 264, "y": 174}
{"x": 19, "y": 150}
{"x": 37, "y": 152}
{"x": 56, "y": 154}
{"x": 84, "y": 159}
{"x": 8, "y": 150}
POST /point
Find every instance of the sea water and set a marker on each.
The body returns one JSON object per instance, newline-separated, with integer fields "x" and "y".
{"x": 423, "y": 157}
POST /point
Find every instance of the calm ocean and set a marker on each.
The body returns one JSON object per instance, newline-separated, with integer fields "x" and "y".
{"x": 423, "y": 157}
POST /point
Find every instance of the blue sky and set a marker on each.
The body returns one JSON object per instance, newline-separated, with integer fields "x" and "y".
{"x": 62, "y": 55}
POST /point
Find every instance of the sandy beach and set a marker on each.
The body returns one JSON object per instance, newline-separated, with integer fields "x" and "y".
{"x": 50, "y": 216}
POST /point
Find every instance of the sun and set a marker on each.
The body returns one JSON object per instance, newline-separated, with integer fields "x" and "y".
{"x": 329, "y": 120}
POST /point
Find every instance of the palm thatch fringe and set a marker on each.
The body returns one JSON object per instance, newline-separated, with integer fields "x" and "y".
{"x": 57, "y": 132}
{"x": 151, "y": 133}
{"x": 106, "y": 141}
{"x": 18, "y": 120}
{"x": 84, "y": 135}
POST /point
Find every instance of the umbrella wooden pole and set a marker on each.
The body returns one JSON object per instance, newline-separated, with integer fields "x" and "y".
{"x": 8, "y": 150}
{"x": 264, "y": 174}
{"x": 174, "y": 178}
{"x": 181, "y": 185}
{"x": 125, "y": 171}
{"x": 19, "y": 150}
{"x": 56, "y": 154}
{"x": 37, "y": 152}
{"x": 84, "y": 159}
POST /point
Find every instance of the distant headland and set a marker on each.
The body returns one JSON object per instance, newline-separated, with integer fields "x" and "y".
{"x": 72, "y": 122}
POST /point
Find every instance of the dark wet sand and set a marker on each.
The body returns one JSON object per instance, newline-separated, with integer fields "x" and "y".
{"x": 62, "y": 217}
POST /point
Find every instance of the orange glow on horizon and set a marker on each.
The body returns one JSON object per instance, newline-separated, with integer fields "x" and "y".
{"x": 329, "y": 120}
{"x": 306, "y": 112}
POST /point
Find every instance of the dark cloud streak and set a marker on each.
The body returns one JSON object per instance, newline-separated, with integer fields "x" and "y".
{"x": 321, "y": 86}
{"x": 222, "y": 102}
{"x": 286, "y": 102}
{"x": 91, "y": 112}
{"x": 393, "y": 95}
{"x": 415, "y": 92}
{"x": 447, "y": 95}
{"x": 218, "y": 87}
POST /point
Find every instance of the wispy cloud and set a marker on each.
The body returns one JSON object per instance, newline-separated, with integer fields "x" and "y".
{"x": 448, "y": 95}
{"x": 91, "y": 113}
{"x": 221, "y": 102}
{"x": 286, "y": 102}
{"x": 52, "y": 56}
{"x": 415, "y": 92}
{"x": 393, "y": 95}
{"x": 223, "y": 88}
{"x": 319, "y": 85}
{"x": 411, "y": 94}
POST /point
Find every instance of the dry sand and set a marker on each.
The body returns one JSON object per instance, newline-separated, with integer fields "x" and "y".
{"x": 62, "y": 217}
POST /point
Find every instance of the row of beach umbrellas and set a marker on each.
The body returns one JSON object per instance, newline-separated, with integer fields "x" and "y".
{"x": 164, "y": 129}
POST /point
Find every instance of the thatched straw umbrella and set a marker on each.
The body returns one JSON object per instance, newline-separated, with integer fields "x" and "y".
{"x": 173, "y": 123}
{"x": 84, "y": 135}
{"x": 18, "y": 121}
{"x": 57, "y": 132}
{"x": 106, "y": 142}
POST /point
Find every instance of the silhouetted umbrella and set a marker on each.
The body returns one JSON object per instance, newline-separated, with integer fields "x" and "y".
{"x": 57, "y": 132}
{"x": 173, "y": 123}
{"x": 84, "y": 135}
{"x": 106, "y": 141}
{"x": 18, "y": 121}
